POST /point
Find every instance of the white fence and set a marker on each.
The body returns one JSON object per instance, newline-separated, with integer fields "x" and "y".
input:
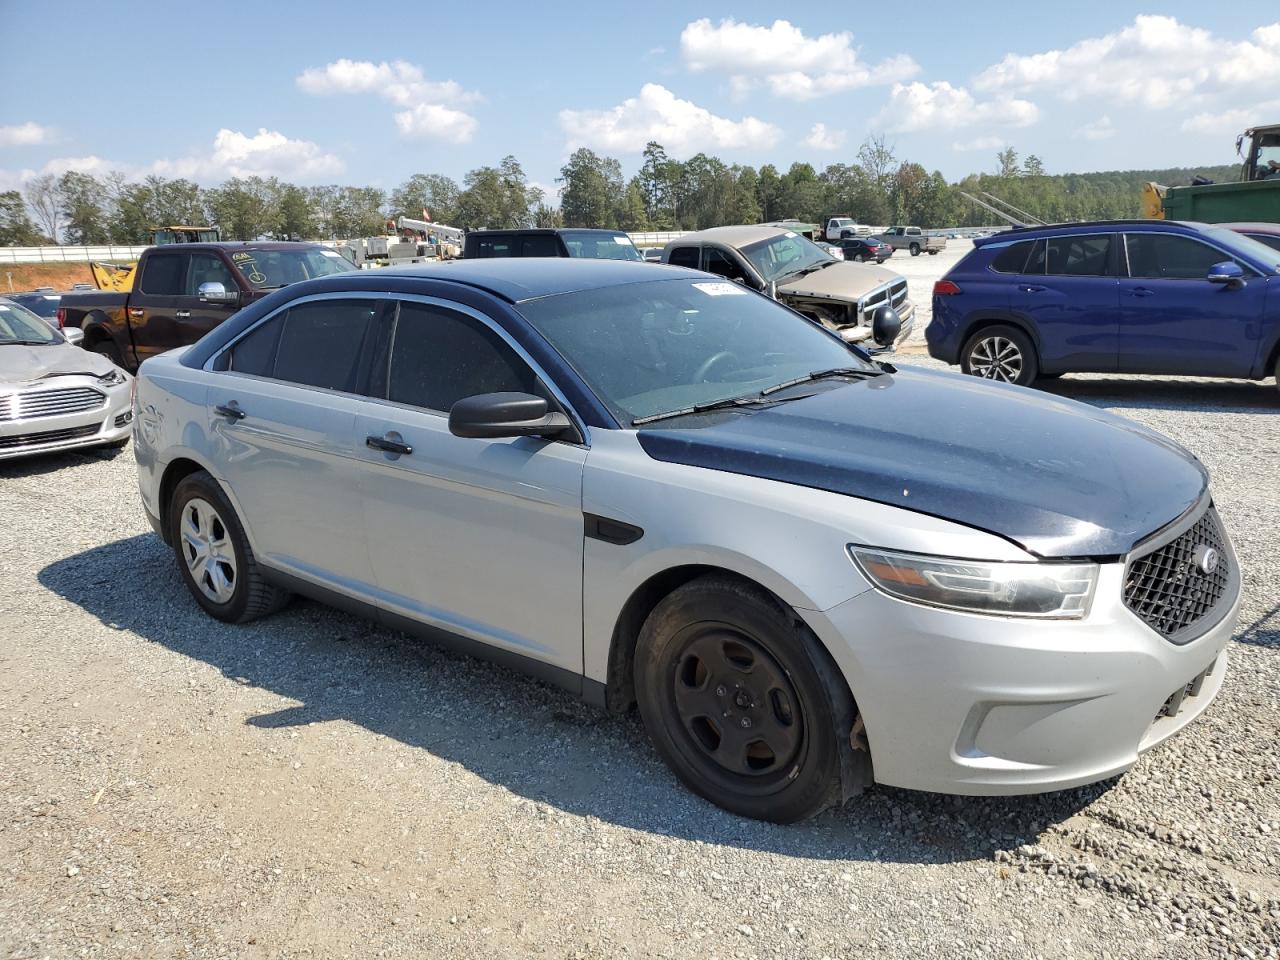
{"x": 110, "y": 252}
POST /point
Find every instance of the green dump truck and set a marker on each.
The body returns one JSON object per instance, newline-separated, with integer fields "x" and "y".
{"x": 1254, "y": 197}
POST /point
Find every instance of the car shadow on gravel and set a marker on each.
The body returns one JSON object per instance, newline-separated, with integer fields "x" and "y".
{"x": 1219, "y": 396}
{"x": 528, "y": 737}
{"x": 37, "y": 465}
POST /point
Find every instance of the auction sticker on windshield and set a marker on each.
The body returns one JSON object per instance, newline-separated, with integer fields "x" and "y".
{"x": 720, "y": 289}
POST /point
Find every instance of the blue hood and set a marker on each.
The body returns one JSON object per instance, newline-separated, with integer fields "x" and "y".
{"x": 1059, "y": 478}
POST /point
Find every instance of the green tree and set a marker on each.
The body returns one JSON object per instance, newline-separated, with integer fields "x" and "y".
{"x": 294, "y": 218}
{"x": 632, "y": 214}
{"x": 1007, "y": 163}
{"x": 497, "y": 197}
{"x": 769, "y": 193}
{"x": 16, "y": 227}
{"x": 45, "y": 203}
{"x": 1033, "y": 166}
{"x": 745, "y": 205}
{"x": 655, "y": 186}
{"x": 592, "y": 193}
{"x": 82, "y": 199}
{"x": 436, "y": 194}
{"x": 244, "y": 208}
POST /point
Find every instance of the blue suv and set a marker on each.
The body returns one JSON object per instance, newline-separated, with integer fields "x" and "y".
{"x": 1135, "y": 296}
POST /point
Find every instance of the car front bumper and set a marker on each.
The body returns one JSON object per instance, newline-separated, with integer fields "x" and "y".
{"x": 971, "y": 704}
{"x": 862, "y": 335}
{"x": 51, "y": 431}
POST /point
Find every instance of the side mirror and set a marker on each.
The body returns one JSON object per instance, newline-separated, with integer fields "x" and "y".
{"x": 496, "y": 415}
{"x": 73, "y": 335}
{"x": 886, "y": 325}
{"x": 1229, "y": 273}
{"x": 215, "y": 292}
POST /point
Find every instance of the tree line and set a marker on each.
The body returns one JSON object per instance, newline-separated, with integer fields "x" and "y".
{"x": 875, "y": 187}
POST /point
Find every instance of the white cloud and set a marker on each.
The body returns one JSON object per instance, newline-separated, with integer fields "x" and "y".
{"x": 25, "y": 135}
{"x": 1156, "y": 62}
{"x": 550, "y": 192}
{"x": 268, "y": 153}
{"x": 821, "y": 138}
{"x": 431, "y": 106}
{"x": 979, "y": 143}
{"x": 792, "y": 65}
{"x": 658, "y": 114}
{"x": 1230, "y": 121}
{"x": 1102, "y": 129}
{"x": 939, "y": 105}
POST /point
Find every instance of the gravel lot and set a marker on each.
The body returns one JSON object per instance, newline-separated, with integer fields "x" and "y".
{"x": 314, "y": 785}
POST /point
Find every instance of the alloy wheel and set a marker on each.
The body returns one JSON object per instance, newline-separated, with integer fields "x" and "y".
{"x": 996, "y": 358}
{"x": 736, "y": 705}
{"x": 207, "y": 549}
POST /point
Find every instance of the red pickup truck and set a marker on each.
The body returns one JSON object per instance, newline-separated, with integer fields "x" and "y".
{"x": 182, "y": 291}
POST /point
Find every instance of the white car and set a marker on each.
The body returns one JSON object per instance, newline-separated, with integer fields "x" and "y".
{"x": 53, "y": 395}
{"x": 654, "y": 486}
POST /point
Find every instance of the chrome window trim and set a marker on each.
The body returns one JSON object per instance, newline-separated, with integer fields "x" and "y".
{"x": 380, "y": 295}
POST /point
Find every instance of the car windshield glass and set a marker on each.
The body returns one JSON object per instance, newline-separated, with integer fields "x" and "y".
{"x": 785, "y": 254}
{"x": 20, "y": 325}
{"x": 276, "y": 268}
{"x": 663, "y": 345}
{"x": 40, "y": 304}
{"x": 600, "y": 246}
{"x": 1247, "y": 246}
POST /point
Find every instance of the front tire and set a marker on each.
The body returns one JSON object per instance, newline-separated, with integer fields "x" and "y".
{"x": 731, "y": 691}
{"x": 214, "y": 557}
{"x": 915, "y": 249}
{"x": 1001, "y": 353}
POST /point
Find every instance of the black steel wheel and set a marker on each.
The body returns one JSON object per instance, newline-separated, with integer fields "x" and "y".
{"x": 730, "y": 690}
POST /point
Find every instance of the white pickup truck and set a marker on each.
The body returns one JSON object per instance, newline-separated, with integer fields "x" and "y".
{"x": 913, "y": 239}
{"x": 840, "y": 228}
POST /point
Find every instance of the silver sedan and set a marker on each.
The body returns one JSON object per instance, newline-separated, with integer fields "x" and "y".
{"x": 53, "y": 395}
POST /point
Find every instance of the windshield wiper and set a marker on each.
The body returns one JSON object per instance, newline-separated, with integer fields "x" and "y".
{"x": 821, "y": 375}
{"x": 749, "y": 400}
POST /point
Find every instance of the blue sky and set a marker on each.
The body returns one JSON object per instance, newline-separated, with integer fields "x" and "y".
{"x": 321, "y": 92}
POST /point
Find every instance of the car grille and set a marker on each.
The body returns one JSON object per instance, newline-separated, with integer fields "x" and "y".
{"x": 34, "y": 404}
{"x": 894, "y": 294}
{"x": 47, "y": 436}
{"x": 1167, "y": 587}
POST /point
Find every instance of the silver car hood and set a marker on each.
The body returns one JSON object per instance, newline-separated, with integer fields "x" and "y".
{"x": 19, "y": 364}
{"x": 841, "y": 281}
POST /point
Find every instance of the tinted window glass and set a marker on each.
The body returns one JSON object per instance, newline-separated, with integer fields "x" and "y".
{"x": 595, "y": 245}
{"x": 1268, "y": 239}
{"x": 684, "y": 257}
{"x": 1035, "y": 262}
{"x": 256, "y": 352}
{"x": 1080, "y": 256}
{"x": 1013, "y": 259}
{"x": 163, "y": 274}
{"x": 1164, "y": 256}
{"x": 540, "y": 245}
{"x": 722, "y": 265}
{"x": 320, "y": 343}
{"x": 206, "y": 268}
{"x": 439, "y": 356}
{"x": 494, "y": 247}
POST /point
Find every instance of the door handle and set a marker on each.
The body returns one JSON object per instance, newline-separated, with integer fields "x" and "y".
{"x": 183, "y": 314}
{"x": 226, "y": 410}
{"x": 388, "y": 446}
{"x": 1141, "y": 292}
{"x": 1031, "y": 288}
{"x": 135, "y": 312}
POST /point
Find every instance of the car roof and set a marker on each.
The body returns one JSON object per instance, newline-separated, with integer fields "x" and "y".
{"x": 545, "y": 231}
{"x": 238, "y": 245}
{"x": 736, "y": 236}
{"x": 1086, "y": 226}
{"x": 518, "y": 279}
{"x": 1271, "y": 229}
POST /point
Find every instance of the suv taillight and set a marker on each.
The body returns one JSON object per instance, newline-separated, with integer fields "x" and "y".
{"x": 62, "y": 317}
{"x": 945, "y": 288}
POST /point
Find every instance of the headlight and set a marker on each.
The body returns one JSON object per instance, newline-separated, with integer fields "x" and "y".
{"x": 1047, "y": 590}
{"x": 112, "y": 379}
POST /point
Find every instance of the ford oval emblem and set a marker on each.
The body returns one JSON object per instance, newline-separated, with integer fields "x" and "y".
{"x": 1206, "y": 559}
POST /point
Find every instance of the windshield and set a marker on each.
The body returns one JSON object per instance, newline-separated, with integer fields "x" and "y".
{"x": 42, "y": 305}
{"x": 20, "y": 325}
{"x": 266, "y": 269}
{"x": 663, "y": 345}
{"x": 600, "y": 246}
{"x": 785, "y": 254}
{"x": 1247, "y": 245}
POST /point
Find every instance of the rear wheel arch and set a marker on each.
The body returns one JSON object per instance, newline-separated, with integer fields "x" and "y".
{"x": 999, "y": 320}
{"x": 175, "y": 472}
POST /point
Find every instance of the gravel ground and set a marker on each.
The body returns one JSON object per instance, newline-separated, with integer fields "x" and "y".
{"x": 314, "y": 785}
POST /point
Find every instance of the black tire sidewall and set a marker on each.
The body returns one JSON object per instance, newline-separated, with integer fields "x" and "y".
{"x": 1030, "y": 360}
{"x": 202, "y": 485}
{"x": 814, "y": 778}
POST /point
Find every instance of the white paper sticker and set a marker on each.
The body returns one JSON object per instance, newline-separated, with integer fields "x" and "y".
{"x": 625, "y": 241}
{"x": 330, "y": 253}
{"x": 789, "y": 234}
{"x": 722, "y": 289}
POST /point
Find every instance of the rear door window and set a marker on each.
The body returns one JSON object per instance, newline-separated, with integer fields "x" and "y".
{"x": 318, "y": 344}
{"x": 539, "y": 245}
{"x": 439, "y": 356}
{"x": 684, "y": 257}
{"x": 163, "y": 274}
{"x": 1079, "y": 256}
{"x": 1167, "y": 256}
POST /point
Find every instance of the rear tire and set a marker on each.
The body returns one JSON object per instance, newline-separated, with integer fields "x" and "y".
{"x": 213, "y": 555}
{"x": 108, "y": 349}
{"x": 1001, "y": 353}
{"x": 730, "y": 687}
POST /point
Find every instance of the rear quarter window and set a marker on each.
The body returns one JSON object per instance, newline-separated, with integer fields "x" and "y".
{"x": 1013, "y": 258}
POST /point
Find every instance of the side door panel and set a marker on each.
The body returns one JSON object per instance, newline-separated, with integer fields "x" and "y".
{"x": 194, "y": 317}
{"x": 1069, "y": 293}
{"x": 154, "y": 303}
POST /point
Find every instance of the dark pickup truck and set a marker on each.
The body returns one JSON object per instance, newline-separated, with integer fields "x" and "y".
{"x": 182, "y": 291}
{"x": 545, "y": 242}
